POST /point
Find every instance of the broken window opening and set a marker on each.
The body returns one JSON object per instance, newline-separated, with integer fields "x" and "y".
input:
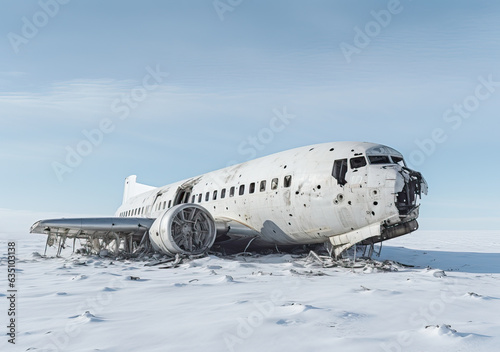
{"x": 215, "y": 195}
{"x": 252, "y": 187}
{"x": 242, "y": 190}
{"x": 223, "y": 193}
{"x": 274, "y": 183}
{"x": 357, "y": 162}
{"x": 339, "y": 171}
{"x": 231, "y": 192}
{"x": 398, "y": 160}
{"x": 263, "y": 186}
{"x": 288, "y": 181}
{"x": 207, "y": 196}
{"x": 200, "y": 196}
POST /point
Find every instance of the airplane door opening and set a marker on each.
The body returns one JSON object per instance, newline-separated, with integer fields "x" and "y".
{"x": 183, "y": 195}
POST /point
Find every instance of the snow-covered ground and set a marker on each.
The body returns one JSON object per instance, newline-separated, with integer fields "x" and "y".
{"x": 450, "y": 301}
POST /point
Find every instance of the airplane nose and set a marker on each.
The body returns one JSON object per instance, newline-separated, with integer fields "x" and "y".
{"x": 413, "y": 185}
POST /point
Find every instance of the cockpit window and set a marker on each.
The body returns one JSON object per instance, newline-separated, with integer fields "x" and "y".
{"x": 379, "y": 159}
{"x": 358, "y": 162}
{"x": 398, "y": 160}
{"x": 339, "y": 171}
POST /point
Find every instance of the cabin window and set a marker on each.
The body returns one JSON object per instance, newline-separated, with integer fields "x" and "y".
{"x": 199, "y": 197}
{"x": 169, "y": 204}
{"x": 242, "y": 190}
{"x": 263, "y": 186}
{"x": 287, "y": 181}
{"x": 339, "y": 171}
{"x": 358, "y": 162}
{"x": 223, "y": 193}
{"x": 193, "y": 198}
{"x": 252, "y": 188}
{"x": 142, "y": 210}
{"x": 274, "y": 183}
{"x": 164, "y": 205}
{"x": 215, "y": 195}
{"x": 207, "y": 196}
{"x": 231, "y": 192}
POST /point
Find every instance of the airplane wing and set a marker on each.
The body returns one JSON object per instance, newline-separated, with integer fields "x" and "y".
{"x": 98, "y": 232}
{"x": 122, "y": 232}
{"x": 84, "y": 227}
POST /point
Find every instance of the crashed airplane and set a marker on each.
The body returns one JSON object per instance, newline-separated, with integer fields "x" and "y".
{"x": 340, "y": 194}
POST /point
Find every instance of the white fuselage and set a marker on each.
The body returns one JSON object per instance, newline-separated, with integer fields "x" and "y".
{"x": 289, "y": 197}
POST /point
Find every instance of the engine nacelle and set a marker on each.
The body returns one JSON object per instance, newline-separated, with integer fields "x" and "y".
{"x": 185, "y": 229}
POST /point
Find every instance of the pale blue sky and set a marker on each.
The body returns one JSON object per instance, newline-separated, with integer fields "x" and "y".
{"x": 66, "y": 68}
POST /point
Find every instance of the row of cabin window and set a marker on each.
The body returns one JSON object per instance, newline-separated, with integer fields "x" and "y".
{"x": 133, "y": 212}
{"x": 287, "y": 182}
